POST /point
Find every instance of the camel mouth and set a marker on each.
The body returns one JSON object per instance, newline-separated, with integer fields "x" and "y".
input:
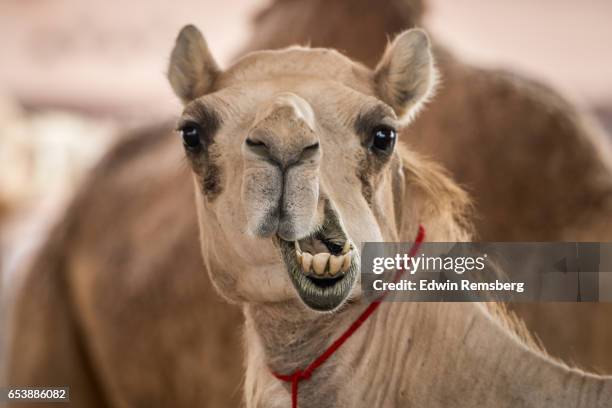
{"x": 323, "y": 265}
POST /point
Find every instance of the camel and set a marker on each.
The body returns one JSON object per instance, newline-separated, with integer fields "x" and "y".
{"x": 294, "y": 164}
{"x": 536, "y": 168}
{"x": 124, "y": 265}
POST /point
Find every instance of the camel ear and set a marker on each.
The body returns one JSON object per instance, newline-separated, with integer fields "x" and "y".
{"x": 192, "y": 69}
{"x": 405, "y": 76}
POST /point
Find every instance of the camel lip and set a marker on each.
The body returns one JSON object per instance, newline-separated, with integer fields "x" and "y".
{"x": 323, "y": 290}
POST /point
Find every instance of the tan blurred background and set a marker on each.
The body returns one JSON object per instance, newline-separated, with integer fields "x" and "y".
{"x": 74, "y": 72}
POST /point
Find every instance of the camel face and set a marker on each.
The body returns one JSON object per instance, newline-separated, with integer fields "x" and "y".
{"x": 294, "y": 162}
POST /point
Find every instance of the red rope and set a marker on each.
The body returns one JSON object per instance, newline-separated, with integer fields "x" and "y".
{"x": 305, "y": 374}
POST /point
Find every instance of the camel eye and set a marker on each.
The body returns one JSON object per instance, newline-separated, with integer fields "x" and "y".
{"x": 191, "y": 136}
{"x": 383, "y": 139}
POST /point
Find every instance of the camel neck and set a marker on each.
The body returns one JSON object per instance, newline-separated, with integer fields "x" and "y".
{"x": 408, "y": 354}
{"x": 285, "y": 338}
{"x": 443, "y": 353}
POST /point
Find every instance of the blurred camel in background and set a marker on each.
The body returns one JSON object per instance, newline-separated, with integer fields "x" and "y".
{"x": 117, "y": 303}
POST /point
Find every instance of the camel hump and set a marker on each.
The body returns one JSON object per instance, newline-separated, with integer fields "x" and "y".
{"x": 321, "y": 23}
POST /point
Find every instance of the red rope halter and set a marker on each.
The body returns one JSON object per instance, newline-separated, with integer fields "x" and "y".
{"x": 299, "y": 375}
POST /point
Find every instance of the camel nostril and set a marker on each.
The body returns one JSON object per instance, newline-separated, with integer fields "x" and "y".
{"x": 309, "y": 151}
{"x": 313, "y": 146}
{"x": 258, "y": 147}
{"x": 255, "y": 143}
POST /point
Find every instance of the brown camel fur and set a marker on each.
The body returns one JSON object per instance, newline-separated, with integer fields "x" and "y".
{"x": 118, "y": 305}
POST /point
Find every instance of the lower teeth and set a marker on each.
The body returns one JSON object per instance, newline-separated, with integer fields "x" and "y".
{"x": 323, "y": 263}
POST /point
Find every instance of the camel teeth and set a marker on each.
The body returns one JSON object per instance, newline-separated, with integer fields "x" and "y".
{"x": 335, "y": 263}
{"x": 297, "y": 247}
{"x": 306, "y": 261}
{"x": 319, "y": 262}
{"x": 347, "y": 262}
{"x": 346, "y": 248}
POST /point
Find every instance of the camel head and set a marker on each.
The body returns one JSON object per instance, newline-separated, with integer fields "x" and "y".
{"x": 293, "y": 155}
